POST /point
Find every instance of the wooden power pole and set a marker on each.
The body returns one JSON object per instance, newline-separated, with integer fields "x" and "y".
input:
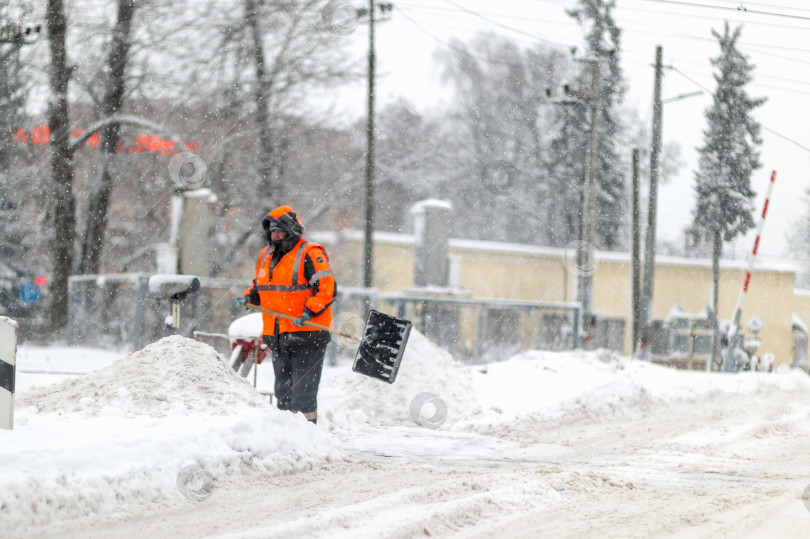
{"x": 368, "y": 240}
{"x": 635, "y": 272}
{"x": 589, "y": 228}
{"x": 368, "y": 235}
{"x": 649, "y": 252}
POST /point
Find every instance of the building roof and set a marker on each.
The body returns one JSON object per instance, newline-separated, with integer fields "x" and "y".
{"x": 394, "y": 238}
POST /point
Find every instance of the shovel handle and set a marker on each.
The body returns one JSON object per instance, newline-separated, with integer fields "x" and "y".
{"x": 294, "y": 319}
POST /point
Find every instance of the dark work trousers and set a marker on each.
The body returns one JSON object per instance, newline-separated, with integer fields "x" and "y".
{"x": 298, "y": 375}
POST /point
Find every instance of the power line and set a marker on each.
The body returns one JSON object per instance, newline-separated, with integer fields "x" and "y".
{"x": 724, "y": 8}
{"x": 658, "y": 30}
{"x": 756, "y": 82}
{"x": 687, "y": 77}
{"x": 772, "y": 6}
{"x": 706, "y": 17}
{"x": 757, "y": 76}
{"x": 780, "y": 56}
{"x": 742, "y": 12}
{"x": 782, "y": 88}
{"x": 655, "y": 31}
{"x": 446, "y": 19}
{"x": 766, "y": 128}
{"x": 450, "y": 45}
{"x": 490, "y": 14}
{"x": 780, "y": 135}
{"x": 497, "y": 23}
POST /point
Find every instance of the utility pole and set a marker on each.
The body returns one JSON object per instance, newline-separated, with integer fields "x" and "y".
{"x": 635, "y": 271}
{"x": 587, "y": 224}
{"x": 368, "y": 240}
{"x": 586, "y": 253}
{"x": 368, "y": 236}
{"x": 649, "y": 253}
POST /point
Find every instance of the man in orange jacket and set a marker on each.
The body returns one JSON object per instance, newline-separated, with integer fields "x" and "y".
{"x": 293, "y": 277}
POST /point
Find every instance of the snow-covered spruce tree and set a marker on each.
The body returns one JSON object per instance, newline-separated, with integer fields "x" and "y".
{"x": 728, "y": 156}
{"x": 569, "y": 148}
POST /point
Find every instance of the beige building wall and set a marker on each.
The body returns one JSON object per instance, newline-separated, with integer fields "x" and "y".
{"x": 511, "y": 271}
{"x": 688, "y": 283}
{"x": 511, "y": 275}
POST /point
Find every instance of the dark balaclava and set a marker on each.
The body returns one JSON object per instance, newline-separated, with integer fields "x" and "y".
{"x": 284, "y": 219}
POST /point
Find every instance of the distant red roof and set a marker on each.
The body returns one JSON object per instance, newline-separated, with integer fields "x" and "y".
{"x": 41, "y": 134}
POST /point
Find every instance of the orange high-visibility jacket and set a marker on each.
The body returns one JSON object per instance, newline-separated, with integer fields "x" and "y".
{"x": 284, "y": 288}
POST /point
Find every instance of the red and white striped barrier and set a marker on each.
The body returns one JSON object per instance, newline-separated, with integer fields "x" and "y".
{"x": 735, "y": 324}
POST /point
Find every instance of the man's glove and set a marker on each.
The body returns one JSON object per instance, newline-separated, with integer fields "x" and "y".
{"x": 253, "y": 296}
{"x": 240, "y": 301}
{"x": 303, "y": 320}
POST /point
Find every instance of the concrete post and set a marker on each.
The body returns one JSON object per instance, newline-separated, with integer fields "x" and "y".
{"x": 193, "y": 237}
{"x": 431, "y": 225}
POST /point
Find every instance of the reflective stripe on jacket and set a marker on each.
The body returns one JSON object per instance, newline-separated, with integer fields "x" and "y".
{"x": 284, "y": 289}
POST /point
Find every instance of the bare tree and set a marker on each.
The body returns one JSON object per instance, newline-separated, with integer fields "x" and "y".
{"x": 498, "y": 137}
{"x": 290, "y": 50}
{"x": 260, "y": 94}
{"x": 111, "y": 104}
{"x": 64, "y": 221}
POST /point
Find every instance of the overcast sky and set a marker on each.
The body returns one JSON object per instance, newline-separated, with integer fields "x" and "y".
{"x": 775, "y": 42}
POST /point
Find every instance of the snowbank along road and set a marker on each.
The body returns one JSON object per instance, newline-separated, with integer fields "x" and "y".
{"x": 544, "y": 444}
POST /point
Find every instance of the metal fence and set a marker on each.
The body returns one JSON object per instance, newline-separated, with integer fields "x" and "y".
{"x": 472, "y": 329}
{"x": 799, "y": 347}
{"x": 118, "y": 311}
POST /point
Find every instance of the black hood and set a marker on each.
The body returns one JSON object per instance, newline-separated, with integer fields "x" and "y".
{"x": 287, "y": 222}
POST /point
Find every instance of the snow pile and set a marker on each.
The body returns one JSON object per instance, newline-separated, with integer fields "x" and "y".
{"x": 425, "y": 368}
{"x": 174, "y": 376}
{"x": 671, "y": 385}
{"x": 121, "y": 434}
{"x": 540, "y": 386}
{"x": 521, "y": 398}
{"x": 518, "y": 398}
{"x": 525, "y": 395}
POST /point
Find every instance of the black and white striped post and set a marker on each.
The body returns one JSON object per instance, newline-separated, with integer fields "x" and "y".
{"x": 8, "y": 354}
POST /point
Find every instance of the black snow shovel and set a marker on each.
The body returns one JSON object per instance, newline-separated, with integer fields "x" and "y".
{"x": 381, "y": 347}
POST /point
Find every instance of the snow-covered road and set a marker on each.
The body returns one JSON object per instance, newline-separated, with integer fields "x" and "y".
{"x": 711, "y": 468}
{"x": 551, "y": 445}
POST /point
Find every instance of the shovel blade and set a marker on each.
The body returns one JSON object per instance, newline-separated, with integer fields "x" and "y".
{"x": 383, "y": 344}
